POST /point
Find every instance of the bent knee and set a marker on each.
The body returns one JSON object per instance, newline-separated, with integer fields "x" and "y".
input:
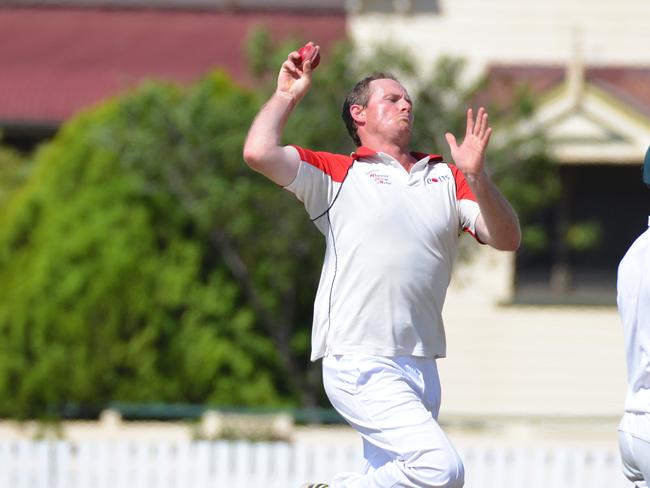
{"x": 438, "y": 469}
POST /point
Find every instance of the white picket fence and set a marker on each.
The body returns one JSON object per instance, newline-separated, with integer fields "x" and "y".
{"x": 105, "y": 464}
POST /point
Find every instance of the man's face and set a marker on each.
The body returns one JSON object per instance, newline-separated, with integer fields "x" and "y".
{"x": 389, "y": 113}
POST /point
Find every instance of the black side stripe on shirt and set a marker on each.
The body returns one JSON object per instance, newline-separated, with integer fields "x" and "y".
{"x": 336, "y": 266}
{"x": 336, "y": 258}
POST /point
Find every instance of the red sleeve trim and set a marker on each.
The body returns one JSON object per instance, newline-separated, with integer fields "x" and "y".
{"x": 463, "y": 191}
{"x": 473, "y": 234}
{"x": 334, "y": 165}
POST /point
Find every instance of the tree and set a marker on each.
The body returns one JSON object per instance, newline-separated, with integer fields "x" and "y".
{"x": 120, "y": 259}
{"x": 14, "y": 169}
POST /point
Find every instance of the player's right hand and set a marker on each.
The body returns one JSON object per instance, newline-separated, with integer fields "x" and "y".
{"x": 295, "y": 75}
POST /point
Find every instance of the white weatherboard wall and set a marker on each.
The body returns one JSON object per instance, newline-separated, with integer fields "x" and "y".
{"x": 527, "y": 361}
{"x": 514, "y": 31}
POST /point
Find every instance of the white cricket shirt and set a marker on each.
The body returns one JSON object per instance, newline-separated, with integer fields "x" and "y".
{"x": 391, "y": 239}
{"x": 633, "y": 299}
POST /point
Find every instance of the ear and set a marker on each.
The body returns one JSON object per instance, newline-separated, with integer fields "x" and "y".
{"x": 358, "y": 113}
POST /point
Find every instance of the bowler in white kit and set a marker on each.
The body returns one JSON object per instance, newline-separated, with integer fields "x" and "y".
{"x": 391, "y": 218}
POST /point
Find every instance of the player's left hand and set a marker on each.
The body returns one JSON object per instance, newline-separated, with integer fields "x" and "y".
{"x": 470, "y": 155}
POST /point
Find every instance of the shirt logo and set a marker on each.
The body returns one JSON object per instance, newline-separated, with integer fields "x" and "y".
{"x": 379, "y": 178}
{"x": 431, "y": 179}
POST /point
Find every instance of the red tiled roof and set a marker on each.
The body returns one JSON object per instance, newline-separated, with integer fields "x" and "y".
{"x": 55, "y": 61}
{"x": 630, "y": 85}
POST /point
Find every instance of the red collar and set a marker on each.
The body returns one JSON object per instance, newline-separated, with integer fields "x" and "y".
{"x": 364, "y": 152}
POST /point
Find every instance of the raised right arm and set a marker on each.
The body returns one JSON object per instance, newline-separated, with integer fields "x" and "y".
{"x": 262, "y": 150}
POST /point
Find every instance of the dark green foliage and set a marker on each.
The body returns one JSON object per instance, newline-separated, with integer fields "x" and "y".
{"x": 14, "y": 168}
{"x": 113, "y": 280}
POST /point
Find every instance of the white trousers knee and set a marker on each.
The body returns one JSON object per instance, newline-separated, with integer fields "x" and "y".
{"x": 393, "y": 403}
{"x": 634, "y": 444}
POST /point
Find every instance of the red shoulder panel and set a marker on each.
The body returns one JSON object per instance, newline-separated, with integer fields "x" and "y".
{"x": 334, "y": 165}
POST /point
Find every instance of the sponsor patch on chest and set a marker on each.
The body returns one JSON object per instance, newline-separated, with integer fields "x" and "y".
{"x": 379, "y": 178}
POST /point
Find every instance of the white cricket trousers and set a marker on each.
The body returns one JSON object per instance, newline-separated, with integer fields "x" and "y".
{"x": 393, "y": 403}
{"x": 634, "y": 444}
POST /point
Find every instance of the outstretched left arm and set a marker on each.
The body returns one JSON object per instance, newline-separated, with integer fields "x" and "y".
{"x": 497, "y": 224}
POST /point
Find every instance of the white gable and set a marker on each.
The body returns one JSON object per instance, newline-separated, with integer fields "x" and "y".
{"x": 592, "y": 126}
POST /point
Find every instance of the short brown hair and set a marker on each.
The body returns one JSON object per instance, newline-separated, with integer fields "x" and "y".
{"x": 359, "y": 96}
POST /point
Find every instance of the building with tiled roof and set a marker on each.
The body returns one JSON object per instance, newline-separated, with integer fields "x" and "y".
{"x": 56, "y": 60}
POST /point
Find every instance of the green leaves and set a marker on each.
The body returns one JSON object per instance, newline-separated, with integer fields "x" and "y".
{"x": 110, "y": 288}
{"x": 583, "y": 236}
{"x": 13, "y": 171}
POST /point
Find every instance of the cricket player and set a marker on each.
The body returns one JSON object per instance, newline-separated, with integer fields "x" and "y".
{"x": 633, "y": 299}
{"x": 391, "y": 218}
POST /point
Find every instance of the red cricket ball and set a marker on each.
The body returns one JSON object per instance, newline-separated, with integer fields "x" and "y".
{"x": 306, "y": 53}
